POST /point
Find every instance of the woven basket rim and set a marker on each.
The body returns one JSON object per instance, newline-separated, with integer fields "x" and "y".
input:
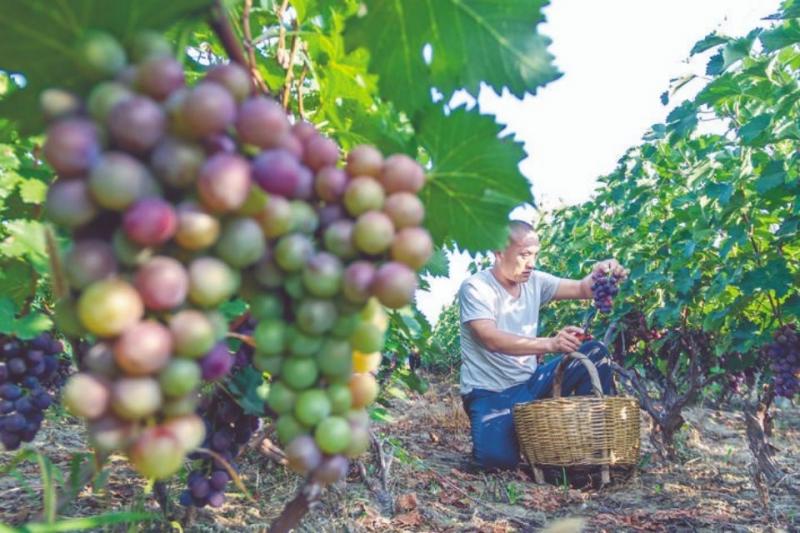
{"x": 578, "y": 399}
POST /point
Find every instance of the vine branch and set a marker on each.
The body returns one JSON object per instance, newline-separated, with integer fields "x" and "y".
{"x": 251, "y": 64}
{"x": 222, "y": 27}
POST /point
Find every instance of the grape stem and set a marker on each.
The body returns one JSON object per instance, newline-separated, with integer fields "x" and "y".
{"x": 222, "y": 27}
{"x": 255, "y": 75}
{"x": 300, "y": 108}
{"x": 60, "y": 285}
{"x": 287, "y": 82}
{"x": 231, "y": 472}
{"x": 247, "y": 339}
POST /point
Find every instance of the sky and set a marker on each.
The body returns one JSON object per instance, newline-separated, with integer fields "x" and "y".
{"x": 617, "y": 57}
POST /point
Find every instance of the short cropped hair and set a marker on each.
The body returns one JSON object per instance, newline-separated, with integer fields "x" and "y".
{"x": 516, "y": 228}
{"x": 519, "y": 226}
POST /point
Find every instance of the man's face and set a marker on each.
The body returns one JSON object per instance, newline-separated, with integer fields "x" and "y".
{"x": 518, "y": 259}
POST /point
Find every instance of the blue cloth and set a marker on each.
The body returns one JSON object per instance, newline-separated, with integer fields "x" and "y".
{"x": 494, "y": 441}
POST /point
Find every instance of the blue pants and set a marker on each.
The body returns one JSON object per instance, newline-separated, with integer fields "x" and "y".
{"x": 494, "y": 440}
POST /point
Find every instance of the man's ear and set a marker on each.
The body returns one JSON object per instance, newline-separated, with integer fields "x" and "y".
{"x": 498, "y": 255}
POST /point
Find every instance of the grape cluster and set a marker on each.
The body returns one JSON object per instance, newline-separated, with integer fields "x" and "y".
{"x": 784, "y": 359}
{"x": 636, "y": 328}
{"x": 31, "y": 373}
{"x": 321, "y": 320}
{"x": 148, "y": 187}
{"x": 739, "y": 378}
{"x": 181, "y": 197}
{"x": 228, "y": 428}
{"x": 604, "y": 288}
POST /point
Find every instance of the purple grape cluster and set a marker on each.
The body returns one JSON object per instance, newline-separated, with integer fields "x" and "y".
{"x": 228, "y": 428}
{"x": 31, "y": 373}
{"x": 784, "y": 358}
{"x": 736, "y": 381}
{"x": 604, "y": 288}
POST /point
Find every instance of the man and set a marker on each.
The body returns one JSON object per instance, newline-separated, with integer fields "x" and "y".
{"x": 500, "y": 346}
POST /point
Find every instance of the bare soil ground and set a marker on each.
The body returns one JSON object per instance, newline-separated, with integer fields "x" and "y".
{"x": 428, "y": 483}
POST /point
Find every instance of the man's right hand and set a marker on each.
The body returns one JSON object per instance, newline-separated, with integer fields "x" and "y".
{"x": 567, "y": 339}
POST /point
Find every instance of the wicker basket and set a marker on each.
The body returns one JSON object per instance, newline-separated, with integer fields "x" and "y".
{"x": 578, "y": 430}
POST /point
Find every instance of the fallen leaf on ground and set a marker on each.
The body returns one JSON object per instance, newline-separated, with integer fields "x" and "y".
{"x": 411, "y": 519}
{"x": 407, "y": 502}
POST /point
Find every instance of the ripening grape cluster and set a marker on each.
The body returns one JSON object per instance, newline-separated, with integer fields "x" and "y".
{"x": 604, "y": 288}
{"x": 31, "y": 373}
{"x": 178, "y": 198}
{"x": 784, "y": 359}
{"x": 147, "y": 187}
{"x": 636, "y": 328}
{"x": 321, "y": 322}
{"x": 228, "y": 428}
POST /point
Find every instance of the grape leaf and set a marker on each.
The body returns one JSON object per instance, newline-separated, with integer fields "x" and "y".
{"x": 475, "y": 180}
{"x": 471, "y": 41}
{"x": 355, "y": 125}
{"x": 708, "y": 42}
{"x": 25, "y": 327}
{"x": 37, "y": 39}
{"x": 25, "y": 239}
{"x": 750, "y": 133}
{"x": 244, "y": 387}
{"x": 781, "y": 36}
{"x": 438, "y": 265}
{"x": 340, "y": 75}
{"x": 17, "y": 280}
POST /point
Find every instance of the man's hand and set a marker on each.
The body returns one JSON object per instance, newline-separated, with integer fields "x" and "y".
{"x": 567, "y": 340}
{"x": 611, "y": 266}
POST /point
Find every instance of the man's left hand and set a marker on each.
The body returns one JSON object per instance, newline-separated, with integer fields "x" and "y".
{"x": 611, "y": 266}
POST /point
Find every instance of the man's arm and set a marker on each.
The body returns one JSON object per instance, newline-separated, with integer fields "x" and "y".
{"x": 496, "y": 340}
{"x": 581, "y": 289}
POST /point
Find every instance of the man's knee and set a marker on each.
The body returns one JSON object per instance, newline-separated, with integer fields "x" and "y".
{"x": 494, "y": 443}
{"x": 502, "y": 454}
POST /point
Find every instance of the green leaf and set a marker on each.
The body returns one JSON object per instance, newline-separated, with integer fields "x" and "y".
{"x": 25, "y": 327}
{"x": 471, "y": 41}
{"x": 773, "y": 175}
{"x": 720, "y": 90}
{"x": 244, "y": 387}
{"x": 683, "y": 119}
{"x": 721, "y": 191}
{"x": 26, "y": 240}
{"x": 708, "y": 42}
{"x": 38, "y": 38}
{"x": 91, "y": 522}
{"x": 340, "y": 75}
{"x": 475, "y": 181}
{"x": 17, "y": 280}
{"x": 438, "y": 265}
{"x": 33, "y": 191}
{"x": 781, "y": 36}
{"x": 773, "y": 276}
{"x": 378, "y": 127}
{"x": 751, "y": 131}
{"x": 307, "y": 9}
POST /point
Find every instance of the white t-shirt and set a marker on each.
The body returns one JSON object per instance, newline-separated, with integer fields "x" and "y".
{"x": 482, "y": 296}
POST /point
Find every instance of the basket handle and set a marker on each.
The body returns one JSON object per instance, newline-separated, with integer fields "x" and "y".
{"x": 559, "y": 373}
